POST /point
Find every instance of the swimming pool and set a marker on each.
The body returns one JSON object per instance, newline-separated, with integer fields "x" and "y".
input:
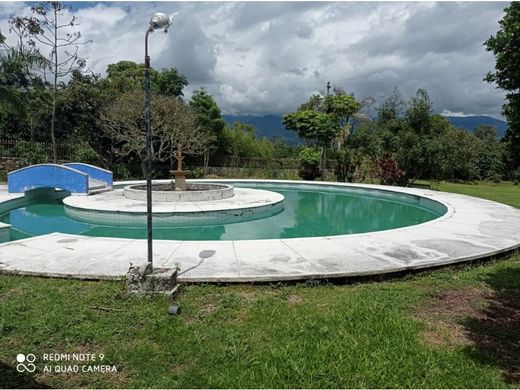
{"x": 309, "y": 210}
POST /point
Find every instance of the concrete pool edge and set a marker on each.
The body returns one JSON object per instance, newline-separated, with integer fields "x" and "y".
{"x": 472, "y": 228}
{"x": 246, "y": 204}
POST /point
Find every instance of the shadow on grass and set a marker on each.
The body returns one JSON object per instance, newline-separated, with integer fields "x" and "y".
{"x": 10, "y": 378}
{"x": 496, "y": 334}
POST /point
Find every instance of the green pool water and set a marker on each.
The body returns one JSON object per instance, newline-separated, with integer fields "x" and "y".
{"x": 309, "y": 211}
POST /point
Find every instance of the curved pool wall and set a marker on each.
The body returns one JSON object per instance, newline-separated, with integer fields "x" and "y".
{"x": 193, "y": 195}
{"x": 389, "y": 193}
{"x": 177, "y": 219}
{"x": 310, "y": 210}
{"x": 28, "y": 198}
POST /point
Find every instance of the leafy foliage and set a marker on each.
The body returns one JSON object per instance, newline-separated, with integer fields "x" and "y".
{"x": 103, "y": 116}
{"x": 505, "y": 45}
{"x": 240, "y": 141}
{"x": 209, "y": 120}
{"x": 55, "y": 21}
{"x": 312, "y": 125}
{"x": 341, "y": 107}
{"x": 309, "y": 164}
{"x": 126, "y": 76}
{"x": 387, "y": 170}
{"x": 174, "y": 128}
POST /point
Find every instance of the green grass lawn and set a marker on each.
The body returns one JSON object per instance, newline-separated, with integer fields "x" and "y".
{"x": 452, "y": 328}
{"x": 504, "y": 192}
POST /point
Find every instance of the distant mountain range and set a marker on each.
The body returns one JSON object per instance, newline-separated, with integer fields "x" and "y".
{"x": 471, "y": 122}
{"x": 271, "y": 126}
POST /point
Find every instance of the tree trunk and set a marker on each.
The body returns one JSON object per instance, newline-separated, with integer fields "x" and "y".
{"x": 143, "y": 167}
{"x": 206, "y": 162}
{"x": 55, "y": 89}
{"x": 53, "y": 122}
{"x": 323, "y": 163}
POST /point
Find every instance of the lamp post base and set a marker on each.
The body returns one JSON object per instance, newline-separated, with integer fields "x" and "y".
{"x": 143, "y": 280}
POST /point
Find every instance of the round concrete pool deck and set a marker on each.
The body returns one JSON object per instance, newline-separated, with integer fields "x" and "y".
{"x": 115, "y": 201}
{"x": 472, "y": 228}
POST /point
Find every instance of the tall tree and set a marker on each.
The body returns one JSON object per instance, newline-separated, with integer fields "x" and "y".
{"x": 58, "y": 35}
{"x": 209, "y": 119}
{"x": 324, "y": 120}
{"x": 419, "y": 113}
{"x": 77, "y": 114}
{"x": 18, "y": 61}
{"x": 125, "y": 76}
{"x": 174, "y": 126}
{"x": 486, "y": 133}
{"x": 505, "y": 45}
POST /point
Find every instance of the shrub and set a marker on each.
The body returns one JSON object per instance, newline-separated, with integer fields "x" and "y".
{"x": 343, "y": 166}
{"x": 309, "y": 164}
{"x": 196, "y": 173}
{"x": 387, "y": 170}
{"x": 496, "y": 178}
{"x": 515, "y": 175}
{"x": 365, "y": 170}
{"x": 34, "y": 152}
{"x": 84, "y": 153}
{"x": 121, "y": 172}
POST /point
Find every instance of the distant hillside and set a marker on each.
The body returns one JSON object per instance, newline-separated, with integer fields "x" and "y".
{"x": 471, "y": 122}
{"x": 271, "y": 126}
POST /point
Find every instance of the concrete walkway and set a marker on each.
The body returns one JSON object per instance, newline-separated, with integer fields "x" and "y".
{"x": 472, "y": 228}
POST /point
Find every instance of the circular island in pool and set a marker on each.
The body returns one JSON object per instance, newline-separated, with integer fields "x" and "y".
{"x": 265, "y": 231}
{"x": 166, "y": 192}
{"x": 122, "y": 212}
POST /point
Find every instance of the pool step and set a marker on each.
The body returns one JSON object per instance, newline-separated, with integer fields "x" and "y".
{"x": 97, "y": 186}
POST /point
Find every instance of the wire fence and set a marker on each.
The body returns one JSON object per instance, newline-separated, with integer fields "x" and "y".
{"x": 15, "y": 154}
{"x": 260, "y": 162}
{"x": 34, "y": 152}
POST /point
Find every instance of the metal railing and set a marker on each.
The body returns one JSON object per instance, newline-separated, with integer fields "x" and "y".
{"x": 260, "y": 162}
{"x": 29, "y": 150}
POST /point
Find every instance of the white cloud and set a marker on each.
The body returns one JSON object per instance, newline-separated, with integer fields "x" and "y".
{"x": 269, "y": 57}
{"x": 455, "y": 114}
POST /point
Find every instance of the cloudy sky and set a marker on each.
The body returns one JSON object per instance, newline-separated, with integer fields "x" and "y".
{"x": 259, "y": 58}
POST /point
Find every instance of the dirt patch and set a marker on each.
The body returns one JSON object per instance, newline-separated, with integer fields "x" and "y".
{"x": 8, "y": 294}
{"x": 293, "y": 298}
{"x": 247, "y": 296}
{"x": 497, "y": 333}
{"x": 445, "y": 312}
{"x": 209, "y": 308}
{"x": 487, "y": 319}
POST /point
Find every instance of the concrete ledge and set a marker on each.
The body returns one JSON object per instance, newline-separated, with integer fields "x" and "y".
{"x": 214, "y": 192}
{"x": 246, "y": 205}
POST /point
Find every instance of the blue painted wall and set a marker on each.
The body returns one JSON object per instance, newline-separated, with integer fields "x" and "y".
{"x": 47, "y": 175}
{"x": 94, "y": 172}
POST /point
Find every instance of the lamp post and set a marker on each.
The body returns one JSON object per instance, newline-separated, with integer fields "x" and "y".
{"x": 159, "y": 20}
